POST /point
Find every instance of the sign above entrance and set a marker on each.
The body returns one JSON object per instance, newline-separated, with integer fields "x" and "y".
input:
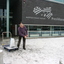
{"x": 42, "y": 12}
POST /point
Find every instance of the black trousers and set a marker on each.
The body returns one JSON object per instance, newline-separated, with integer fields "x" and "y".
{"x": 24, "y": 39}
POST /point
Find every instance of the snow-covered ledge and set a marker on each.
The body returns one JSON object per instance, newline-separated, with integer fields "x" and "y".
{"x": 1, "y": 56}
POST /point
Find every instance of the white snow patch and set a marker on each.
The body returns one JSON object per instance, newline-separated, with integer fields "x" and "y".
{"x": 38, "y": 51}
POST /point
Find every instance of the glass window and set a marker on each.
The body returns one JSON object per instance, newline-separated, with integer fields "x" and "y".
{"x": 5, "y": 12}
{"x": 60, "y": 1}
{"x": 39, "y": 28}
{"x": 46, "y": 28}
{"x": 57, "y": 28}
{"x": 34, "y": 28}
{"x": 62, "y": 28}
{"x": 1, "y": 12}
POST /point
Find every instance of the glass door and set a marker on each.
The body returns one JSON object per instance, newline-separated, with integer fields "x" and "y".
{"x": 2, "y": 20}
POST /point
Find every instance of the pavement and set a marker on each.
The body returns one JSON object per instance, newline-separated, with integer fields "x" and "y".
{"x": 38, "y": 51}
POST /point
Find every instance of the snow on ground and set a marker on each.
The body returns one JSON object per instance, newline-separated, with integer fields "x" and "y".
{"x": 38, "y": 51}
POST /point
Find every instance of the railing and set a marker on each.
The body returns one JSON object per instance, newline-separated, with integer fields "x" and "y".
{"x": 5, "y": 41}
{"x": 6, "y": 33}
{"x": 45, "y": 33}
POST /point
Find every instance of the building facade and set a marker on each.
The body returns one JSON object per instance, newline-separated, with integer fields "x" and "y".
{"x": 42, "y": 18}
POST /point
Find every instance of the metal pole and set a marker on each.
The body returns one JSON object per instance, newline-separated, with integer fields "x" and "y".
{"x": 28, "y": 31}
{"x": 15, "y": 29}
{"x": 7, "y": 18}
{"x": 50, "y": 30}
